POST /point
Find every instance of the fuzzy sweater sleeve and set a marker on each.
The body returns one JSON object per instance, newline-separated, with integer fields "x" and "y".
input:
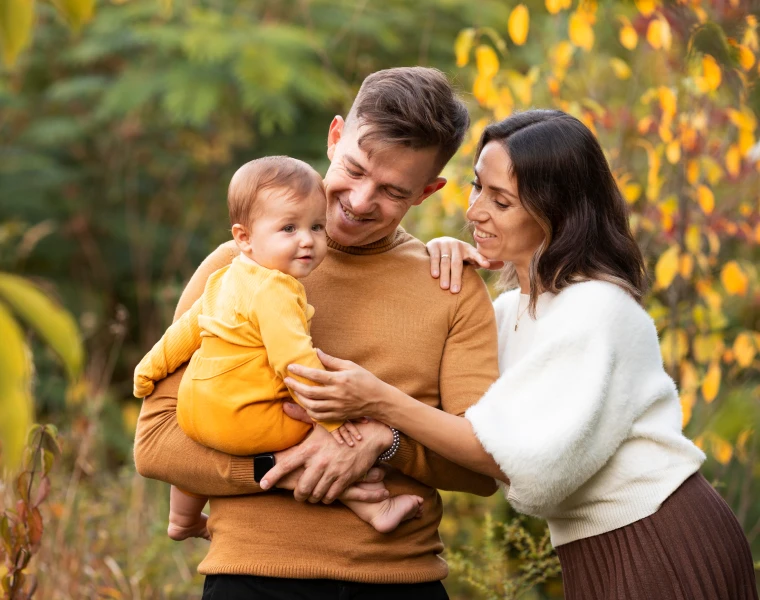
{"x": 555, "y": 418}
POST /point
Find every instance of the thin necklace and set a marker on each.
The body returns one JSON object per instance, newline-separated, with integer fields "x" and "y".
{"x": 520, "y": 315}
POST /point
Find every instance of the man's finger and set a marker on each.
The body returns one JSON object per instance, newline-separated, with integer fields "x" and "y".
{"x": 282, "y": 468}
{"x": 309, "y": 480}
{"x": 315, "y": 375}
{"x": 322, "y": 487}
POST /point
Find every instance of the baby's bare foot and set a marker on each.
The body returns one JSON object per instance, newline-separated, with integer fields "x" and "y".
{"x": 183, "y": 530}
{"x": 393, "y": 511}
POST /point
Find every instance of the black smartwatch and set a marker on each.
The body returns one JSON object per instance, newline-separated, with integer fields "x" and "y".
{"x": 262, "y": 463}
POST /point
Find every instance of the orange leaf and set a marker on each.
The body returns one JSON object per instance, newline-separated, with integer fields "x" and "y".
{"x": 734, "y": 280}
{"x": 711, "y": 383}
{"x": 746, "y": 58}
{"x": 706, "y": 199}
{"x": 463, "y": 45}
{"x": 692, "y": 171}
{"x": 686, "y": 266}
{"x": 554, "y": 6}
{"x": 711, "y": 77}
{"x": 721, "y": 450}
{"x": 658, "y": 34}
{"x": 688, "y": 400}
{"x": 518, "y": 24}
{"x": 646, "y": 7}
{"x": 744, "y": 350}
{"x": 673, "y": 152}
{"x": 628, "y": 36}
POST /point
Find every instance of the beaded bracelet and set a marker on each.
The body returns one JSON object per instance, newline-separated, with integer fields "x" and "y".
{"x": 391, "y": 452}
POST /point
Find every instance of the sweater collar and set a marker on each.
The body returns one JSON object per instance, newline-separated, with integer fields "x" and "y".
{"x": 382, "y": 245}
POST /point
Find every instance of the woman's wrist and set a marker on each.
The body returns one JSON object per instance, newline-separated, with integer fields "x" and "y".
{"x": 388, "y": 405}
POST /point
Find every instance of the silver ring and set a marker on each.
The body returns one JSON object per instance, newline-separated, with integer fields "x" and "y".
{"x": 445, "y": 256}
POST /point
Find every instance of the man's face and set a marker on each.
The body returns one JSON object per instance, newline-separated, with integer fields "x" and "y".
{"x": 368, "y": 196}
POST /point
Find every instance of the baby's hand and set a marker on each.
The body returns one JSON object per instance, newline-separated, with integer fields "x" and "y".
{"x": 347, "y": 433}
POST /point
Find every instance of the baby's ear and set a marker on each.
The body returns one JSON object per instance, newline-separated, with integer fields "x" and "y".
{"x": 241, "y": 236}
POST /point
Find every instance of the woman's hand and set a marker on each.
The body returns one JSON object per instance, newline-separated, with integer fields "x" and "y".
{"x": 347, "y": 391}
{"x": 447, "y": 258}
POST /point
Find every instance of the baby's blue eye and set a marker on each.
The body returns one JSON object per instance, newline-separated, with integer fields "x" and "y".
{"x": 289, "y": 228}
{"x": 317, "y": 227}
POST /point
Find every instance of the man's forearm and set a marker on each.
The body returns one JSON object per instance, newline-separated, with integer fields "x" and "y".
{"x": 164, "y": 452}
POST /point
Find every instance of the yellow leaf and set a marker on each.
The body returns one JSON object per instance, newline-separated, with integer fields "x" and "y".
{"x": 581, "y": 32}
{"x": 463, "y": 45}
{"x": 15, "y": 390}
{"x": 712, "y": 169}
{"x": 554, "y": 6}
{"x": 631, "y": 192}
{"x": 692, "y": 171}
{"x": 711, "y": 382}
{"x": 486, "y": 61}
{"x": 522, "y": 85}
{"x": 746, "y": 141}
{"x": 707, "y": 347}
{"x": 53, "y": 323}
{"x": 129, "y": 414}
{"x": 701, "y": 13}
{"x": 674, "y": 345}
{"x": 686, "y": 266}
{"x": 16, "y": 17}
{"x": 628, "y": 36}
{"x": 667, "y": 267}
{"x": 560, "y": 56}
{"x": 693, "y": 239}
{"x": 746, "y": 57}
{"x": 481, "y": 88}
{"x": 744, "y": 350}
{"x": 504, "y": 106}
{"x": 711, "y": 77}
{"x": 658, "y": 34}
{"x": 644, "y": 124}
{"x": 689, "y": 378}
{"x": 734, "y": 280}
{"x": 646, "y": 7}
{"x": 706, "y": 199}
{"x": 721, "y": 450}
{"x": 518, "y": 24}
{"x": 744, "y": 119}
{"x": 673, "y": 152}
{"x": 76, "y": 12}
{"x": 621, "y": 68}
{"x": 688, "y": 400}
{"x": 668, "y": 101}
{"x": 733, "y": 160}
{"x": 741, "y": 444}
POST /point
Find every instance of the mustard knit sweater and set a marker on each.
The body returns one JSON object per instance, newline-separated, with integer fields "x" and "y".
{"x": 242, "y": 333}
{"x": 377, "y": 306}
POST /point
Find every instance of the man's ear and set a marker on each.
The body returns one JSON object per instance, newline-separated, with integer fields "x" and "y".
{"x": 430, "y": 188}
{"x": 242, "y": 238}
{"x": 334, "y": 134}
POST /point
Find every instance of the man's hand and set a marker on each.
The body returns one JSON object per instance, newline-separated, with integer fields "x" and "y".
{"x": 329, "y": 468}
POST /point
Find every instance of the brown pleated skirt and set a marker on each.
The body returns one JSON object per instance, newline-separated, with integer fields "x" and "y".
{"x": 693, "y": 548}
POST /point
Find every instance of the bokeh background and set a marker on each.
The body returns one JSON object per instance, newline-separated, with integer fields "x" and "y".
{"x": 121, "y": 123}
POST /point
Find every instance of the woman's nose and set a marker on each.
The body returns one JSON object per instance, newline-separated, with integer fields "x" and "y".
{"x": 476, "y": 212}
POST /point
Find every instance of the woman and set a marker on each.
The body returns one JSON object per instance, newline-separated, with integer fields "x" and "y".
{"x": 584, "y": 426}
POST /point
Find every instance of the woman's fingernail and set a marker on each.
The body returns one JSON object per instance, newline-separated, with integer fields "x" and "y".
{"x": 264, "y": 484}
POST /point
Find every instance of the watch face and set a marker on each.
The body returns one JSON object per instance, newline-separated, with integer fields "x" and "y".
{"x": 262, "y": 463}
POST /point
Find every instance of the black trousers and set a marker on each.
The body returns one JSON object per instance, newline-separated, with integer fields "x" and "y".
{"x": 252, "y": 587}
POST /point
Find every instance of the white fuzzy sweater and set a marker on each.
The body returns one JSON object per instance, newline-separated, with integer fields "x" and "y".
{"x": 585, "y": 423}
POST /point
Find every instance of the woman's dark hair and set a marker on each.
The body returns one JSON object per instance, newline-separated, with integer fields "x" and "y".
{"x": 565, "y": 184}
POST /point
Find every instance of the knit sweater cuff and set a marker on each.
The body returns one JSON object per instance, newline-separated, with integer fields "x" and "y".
{"x": 241, "y": 472}
{"x": 404, "y": 454}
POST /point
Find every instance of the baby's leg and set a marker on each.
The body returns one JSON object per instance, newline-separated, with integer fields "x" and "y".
{"x": 185, "y": 516}
{"x": 386, "y": 515}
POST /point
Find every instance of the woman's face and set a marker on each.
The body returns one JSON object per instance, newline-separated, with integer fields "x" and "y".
{"x": 504, "y": 230}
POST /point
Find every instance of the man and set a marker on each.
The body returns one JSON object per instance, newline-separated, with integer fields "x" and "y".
{"x": 376, "y": 305}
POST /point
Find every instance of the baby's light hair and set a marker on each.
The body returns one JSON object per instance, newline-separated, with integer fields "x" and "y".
{"x": 299, "y": 179}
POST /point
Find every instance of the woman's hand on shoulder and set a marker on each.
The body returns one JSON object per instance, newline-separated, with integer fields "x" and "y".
{"x": 447, "y": 258}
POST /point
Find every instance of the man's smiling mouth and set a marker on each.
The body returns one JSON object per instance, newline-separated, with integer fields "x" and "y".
{"x": 351, "y": 216}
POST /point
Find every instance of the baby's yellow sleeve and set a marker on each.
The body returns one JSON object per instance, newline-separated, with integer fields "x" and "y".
{"x": 281, "y": 313}
{"x": 170, "y": 352}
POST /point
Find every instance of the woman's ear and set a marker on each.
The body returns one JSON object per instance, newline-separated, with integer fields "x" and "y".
{"x": 242, "y": 237}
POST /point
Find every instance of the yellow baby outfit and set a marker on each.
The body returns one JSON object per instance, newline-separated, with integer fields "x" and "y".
{"x": 242, "y": 333}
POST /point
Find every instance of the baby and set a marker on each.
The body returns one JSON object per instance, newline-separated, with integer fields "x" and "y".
{"x": 251, "y": 322}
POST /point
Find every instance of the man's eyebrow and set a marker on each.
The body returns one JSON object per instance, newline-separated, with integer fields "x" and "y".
{"x": 401, "y": 191}
{"x": 498, "y": 189}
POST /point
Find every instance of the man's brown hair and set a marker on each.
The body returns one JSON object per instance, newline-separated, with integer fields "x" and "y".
{"x": 270, "y": 172}
{"x": 414, "y": 107}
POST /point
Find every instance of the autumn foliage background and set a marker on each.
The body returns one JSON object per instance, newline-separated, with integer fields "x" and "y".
{"x": 122, "y": 122}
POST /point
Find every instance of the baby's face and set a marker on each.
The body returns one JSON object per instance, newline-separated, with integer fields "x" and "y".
{"x": 289, "y": 234}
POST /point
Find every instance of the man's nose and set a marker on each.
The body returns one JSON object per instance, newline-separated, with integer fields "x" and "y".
{"x": 361, "y": 198}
